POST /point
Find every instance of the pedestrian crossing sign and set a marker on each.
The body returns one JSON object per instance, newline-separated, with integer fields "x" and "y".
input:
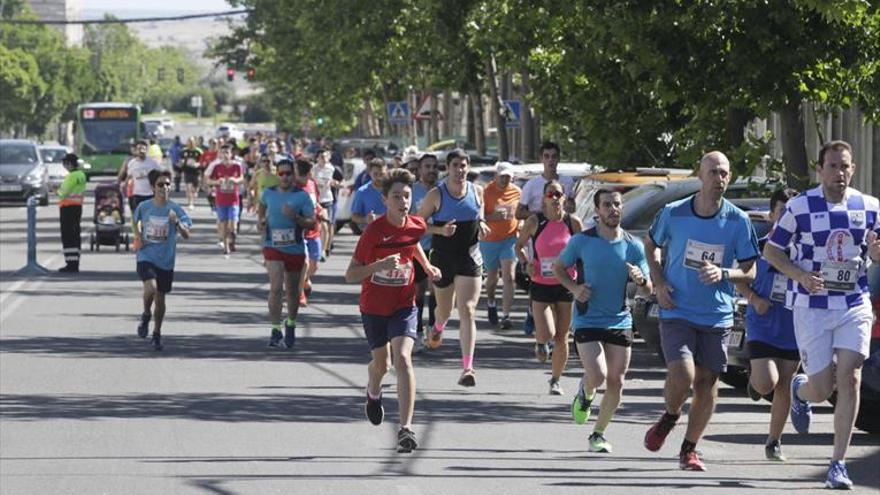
{"x": 398, "y": 112}
{"x": 512, "y": 113}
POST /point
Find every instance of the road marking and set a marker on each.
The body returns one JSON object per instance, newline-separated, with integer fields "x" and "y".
{"x": 8, "y": 309}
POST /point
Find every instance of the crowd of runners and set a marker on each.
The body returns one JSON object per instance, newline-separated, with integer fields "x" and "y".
{"x": 433, "y": 239}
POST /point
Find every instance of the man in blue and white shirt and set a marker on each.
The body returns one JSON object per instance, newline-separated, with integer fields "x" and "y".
{"x": 833, "y": 230}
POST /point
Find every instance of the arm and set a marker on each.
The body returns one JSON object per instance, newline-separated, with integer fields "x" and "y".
{"x": 430, "y": 206}
{"x": 522, "y": 212}
{"x": 661, "y": 286}
{"x": 812, "y": 281}
{"x": 181, "y": 222}
{"x": 358, "y": 271}
{"x": 422, "y": 258}
{"x": 484, "y": 226}
{"x": 123, "y": 172}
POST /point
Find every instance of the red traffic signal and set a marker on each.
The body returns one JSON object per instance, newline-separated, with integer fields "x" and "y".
{"x": 251, "y": 74}
{"x": 230, "y": 74}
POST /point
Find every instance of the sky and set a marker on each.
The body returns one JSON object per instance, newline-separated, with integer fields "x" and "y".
{"x": 157, "y": 6}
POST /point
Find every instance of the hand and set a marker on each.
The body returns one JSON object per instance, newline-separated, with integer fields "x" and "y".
{"x": 761, "y": 305}
{"x": 484, "y": 229}
{"x": 530, "y": 269}
{"x": 434, "y": 273}
{"x": 664, "y": 295}
{"x": 137, "y": 244}
{"x": 582, "y": 293}
{"x": 873, "y": 245}
{"x": 449, "y": 229}
{"x": 710, "y": 274}
{"x": 635, "y": 274}
{"x": 389, "y": 262}
{"x": 172, "y": 217}
{"x": 812, "y": 281}
{"x": 371, "y": 217}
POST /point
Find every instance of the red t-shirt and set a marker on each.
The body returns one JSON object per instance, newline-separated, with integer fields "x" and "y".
{"x": 207, "y": 157}
{"x": 386, "y": 292}
{"x": 226, "y": 196}
{"x": 311, "y": 188}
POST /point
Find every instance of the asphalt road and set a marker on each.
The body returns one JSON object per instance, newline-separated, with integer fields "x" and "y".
{"x": 87, "y": 407}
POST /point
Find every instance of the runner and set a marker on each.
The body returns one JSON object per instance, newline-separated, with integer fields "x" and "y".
{"x": 209, "y": 156}
{"x": 532, "y": 199}
{"x": 833, "y": 230}
{"x": 190, "y": 158}
{"x": 328, "y": 179}
{"x": 546, "y": 234}
{"x": 136, "y": 172}
{"x": 157, "y": 222}
{"x": 497, "y": 248}
{"x": 383, "y": 263}
{"x": 225, "y": 175}
{"x": 456, "y": 206}
{"x": 312, "y": 234}
{"x": 284, "y": 213}
{"x": 773, "y": 353}
{"x": 367, "y": 204}
{"x": 427, "y": 180}
{"x": 611, "y": 258}
{"x": 702, "y": 236}
{"x": 264, "y": 176}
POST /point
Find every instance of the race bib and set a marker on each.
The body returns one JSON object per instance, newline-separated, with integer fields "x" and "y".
{"x": 547, "y": 267}
{"x": 840, "y": 275}
{"x": 780, "y": 285}
{"x": 283, "y": 237}
{"x": 697, "y": 252}
{"x": 156, "y": 229}
{"x": 227, "y": 187}
{"x": 396, "y": 277}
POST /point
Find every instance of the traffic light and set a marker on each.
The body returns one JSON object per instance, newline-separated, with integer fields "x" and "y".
{"x": 230, "y": 74}
{"x": 180, "y": 76}
{"x": 251, "y": 74}
{"x": 161, "y": 75}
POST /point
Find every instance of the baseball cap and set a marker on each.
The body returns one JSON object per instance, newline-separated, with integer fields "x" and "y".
{"x": 504, "y": 168}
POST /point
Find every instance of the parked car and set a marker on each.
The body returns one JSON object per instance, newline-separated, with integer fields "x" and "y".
{"x": 352, "y": 167}
{"x": 227, "y": 130}
{"x": 384, "y": 148}
{"x": 52, "y": 155}
{"x": 152, "y": 128}
{"x": 621, "y": 181}
{"x": 868, "y": 418}
{"x": 22, "y": 172}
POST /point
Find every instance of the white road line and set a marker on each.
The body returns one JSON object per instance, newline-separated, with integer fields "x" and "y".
{"x": 8, "y": 309}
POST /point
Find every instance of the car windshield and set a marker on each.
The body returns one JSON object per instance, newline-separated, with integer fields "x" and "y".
{"x": 762, "y": 227}
{"x": 18, "y": 154}
{"x": 108, "y": 135}
{"x": 52, "y": 155}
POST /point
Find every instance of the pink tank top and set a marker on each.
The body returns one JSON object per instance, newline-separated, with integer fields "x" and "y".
{"x": 547, "y": 246}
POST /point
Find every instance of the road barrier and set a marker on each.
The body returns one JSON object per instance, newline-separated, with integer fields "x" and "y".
{"x": 32, "y": 267}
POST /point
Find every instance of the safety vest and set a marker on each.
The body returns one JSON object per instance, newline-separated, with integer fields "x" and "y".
{"x": 72, "y": 189}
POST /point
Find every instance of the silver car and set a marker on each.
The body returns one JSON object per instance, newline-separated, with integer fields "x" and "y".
{"x": 52, "y": 156}
{"x": 22, "y": 172}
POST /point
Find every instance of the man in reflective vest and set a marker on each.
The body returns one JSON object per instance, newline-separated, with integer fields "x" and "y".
{"x": 70, "y": 196}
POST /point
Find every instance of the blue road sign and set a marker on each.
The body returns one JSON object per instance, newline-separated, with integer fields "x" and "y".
{"x": 512, "y": 113}
{"x": 398, "y": 112}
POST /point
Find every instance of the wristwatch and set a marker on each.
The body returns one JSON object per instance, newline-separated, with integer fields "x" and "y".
{"x": 725, "y": 274}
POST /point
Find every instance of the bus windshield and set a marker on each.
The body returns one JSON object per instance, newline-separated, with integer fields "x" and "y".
{"x": 108, "y": 136}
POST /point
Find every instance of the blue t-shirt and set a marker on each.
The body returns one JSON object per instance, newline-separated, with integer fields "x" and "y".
{"x": 604, "y": 266}
{"x": 689, "y": 239}
{"x": 776, "y": 327}
{"x": 158, "y": 235}
{"x": 282, "y": 232}
{"x": 368, "y": 199}
{"x": 419, "y": 192}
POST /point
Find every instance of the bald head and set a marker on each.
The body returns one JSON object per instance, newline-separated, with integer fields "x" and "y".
{"x": 714, "y": 174}
{"x": 714, "y": 159}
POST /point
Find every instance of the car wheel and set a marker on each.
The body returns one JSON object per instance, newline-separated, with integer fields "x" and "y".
{"x": 736, "y": 377}
{"x": 355, "y": 228}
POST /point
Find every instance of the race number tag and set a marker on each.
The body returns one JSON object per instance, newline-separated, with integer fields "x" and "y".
{"x": 840, "y": 275}
{"x": 697, "y": 252}
{"x": 227, "y": 186}
{"x": 780, "y": 285}
{"x": 396, "y": 277}
{"x": 283, "y": 237}
{"x": 547, "y": 267}
{"x": 156, "y": 229}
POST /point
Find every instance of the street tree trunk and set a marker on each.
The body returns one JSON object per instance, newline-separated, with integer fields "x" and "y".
{"x": 497, "y": 107}
{"x": 479, "y": 125}
{"x": 528, "y": 123}
{"x": 449, "y": 113}
{"x": 794, "y": 150}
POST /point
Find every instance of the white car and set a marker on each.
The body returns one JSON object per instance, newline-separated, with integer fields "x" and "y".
{"x": 352, "y": 167}
{"x": 227, "y": 130}
{"x": 52, "y": 155}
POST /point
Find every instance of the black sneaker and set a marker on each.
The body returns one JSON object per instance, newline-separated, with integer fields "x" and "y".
{"x": 144, "y": 327}
{"x": 156, "y": 342}
{"x": 289, "y": 335}
{"x": 374, "y": 410}
{"x": 506, "y": 324}
{"x": 406, "y": 441}
{"x": 493, "y": 315}
{"x": 276, "y": 338}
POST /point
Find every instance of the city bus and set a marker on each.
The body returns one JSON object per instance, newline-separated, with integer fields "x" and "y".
{"x": 104, "y": 134}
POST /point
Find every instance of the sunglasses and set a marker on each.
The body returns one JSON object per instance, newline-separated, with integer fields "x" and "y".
{"x": 555, "y": 195}
{"x": 284, "y": 174}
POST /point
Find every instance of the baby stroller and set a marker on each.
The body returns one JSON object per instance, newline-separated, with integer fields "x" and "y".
{"x": 109, "y": 218}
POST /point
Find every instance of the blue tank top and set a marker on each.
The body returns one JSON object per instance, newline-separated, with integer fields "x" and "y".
{"x": 466, "y": 213}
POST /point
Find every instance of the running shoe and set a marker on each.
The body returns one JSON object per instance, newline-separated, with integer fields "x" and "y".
{"x": 303, "y": 300}
{"x": 690, "y": 461}
{"x": 307, "y": 288}
{"x": 419, "y": 345}
{"x": 599, "y": 444}
{"x": 753, "y": 394}
{"x": 773, "y": 451}
{"x": 801, "y": 411}
{"x": 838, "y": 478}
{"x": 468, "y": 378}
{"x": 506, "y": 324}
{"x": 555, "y": 387}
{"x": 493, "y": 315}
{"x": 374, "y": 410}
{"x": 657, "y": 434}
{"x": 529, "y": 326}
{"x": 434, "y": 338}
{"x": 289, "y": 335}
{"x": 156, "y": 342}
{"x": 144, "y": 327}
{"x": 580, "y": 406}
{"x": 542, "y": 352}
{"x": 275, "y": 338}
{"x": 406, "y": 441}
